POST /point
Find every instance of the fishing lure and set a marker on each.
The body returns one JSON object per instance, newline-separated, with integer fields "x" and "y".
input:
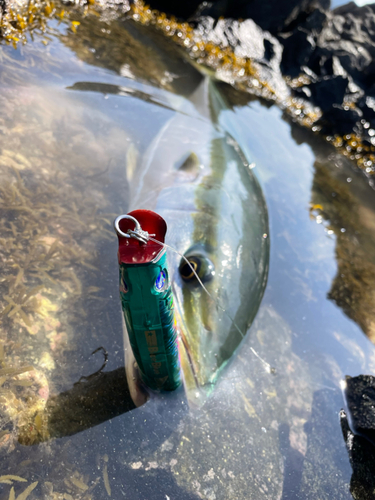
{"x": 147, "y": 299}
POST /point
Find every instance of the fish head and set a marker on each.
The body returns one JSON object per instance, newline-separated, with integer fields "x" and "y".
{"x": 218, "y": 286}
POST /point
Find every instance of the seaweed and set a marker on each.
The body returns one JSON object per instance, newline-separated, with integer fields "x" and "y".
{"x": 348, "y": 215}
{"x": 105, "y": 476}
{"x": 51, "y": 220}
{"x": 37, "y": 252}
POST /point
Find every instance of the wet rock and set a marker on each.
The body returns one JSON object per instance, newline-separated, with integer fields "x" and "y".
{"x": 360, "y": 398}
{"x": 300, "y": 43}
{"x": 273, "y": 16}
{"x": 362, "y": 457}
{"x": 338, "y": 47}
{"x": 245, "y": 38}
{"x": 338, "y": 120}
{"x": 247, "y": 41}
{"x": 298, "y": 47}
{"x": 335, "y": 50}
{"x": 329, "y": 91}
{"x": 350, "y": 35}
{"x": 367, "y": 106}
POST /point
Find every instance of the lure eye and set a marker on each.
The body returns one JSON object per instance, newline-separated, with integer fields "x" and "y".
{"x": 161, "y": 281}
{"x": 198, "y": 265}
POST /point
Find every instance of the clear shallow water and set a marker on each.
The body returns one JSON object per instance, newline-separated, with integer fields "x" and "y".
{"x": 65, "y": 150}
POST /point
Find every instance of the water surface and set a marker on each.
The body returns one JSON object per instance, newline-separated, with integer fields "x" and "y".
{"x": 75, "y": 116}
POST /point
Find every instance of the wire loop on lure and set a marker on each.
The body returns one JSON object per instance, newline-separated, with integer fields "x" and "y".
{"x": 144, "y": 237}
{"x": 136, "y": 233}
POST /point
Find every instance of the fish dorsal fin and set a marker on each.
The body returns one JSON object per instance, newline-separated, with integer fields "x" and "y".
{"x": 201, "y": 99}
{"x": 207, "y": 100}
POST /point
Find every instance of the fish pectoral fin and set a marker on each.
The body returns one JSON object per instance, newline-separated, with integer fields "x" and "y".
{"x": 189, "y": 164}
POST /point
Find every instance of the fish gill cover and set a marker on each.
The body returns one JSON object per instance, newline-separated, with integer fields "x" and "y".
{"x": 316, "y": 64}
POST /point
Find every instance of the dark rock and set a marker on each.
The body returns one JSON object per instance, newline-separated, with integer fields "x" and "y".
{"x": 338, "y": 120}
{"x": 350, "y": 35}
{"x": 351, "y": 8}
{"x": 329, "y": 91}
{"x": 269, "y": 50}
{"x": 362, "y": 458}
{"x": 338, "y": 48}
{"x": 367, "y": 106}
{"x": 312, "y": 22}
{"x": 298, "y": 48}
{"x": 360, "y": 399}
{"x": 371, "y": 90}
{"x": 324, "y": 63}
{"x": 272, "y": 15}
{"x": 246, "y": 39}
{"x": 300, "y": 43}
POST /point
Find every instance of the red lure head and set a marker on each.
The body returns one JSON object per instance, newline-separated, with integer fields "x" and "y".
{"x": 132, "y": 251}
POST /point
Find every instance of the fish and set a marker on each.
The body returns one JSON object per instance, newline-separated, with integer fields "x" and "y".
{"x": 196, "y": 177}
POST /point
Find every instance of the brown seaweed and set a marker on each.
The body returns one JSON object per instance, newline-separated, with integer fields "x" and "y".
{"x": 349, "y": 215}
{"x": 51, "y": 219}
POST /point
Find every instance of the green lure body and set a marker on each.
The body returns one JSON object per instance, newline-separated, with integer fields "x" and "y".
{"x": 147, "y": 305}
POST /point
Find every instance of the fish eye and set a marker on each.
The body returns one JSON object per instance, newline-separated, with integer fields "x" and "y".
{"x": 198, "y": 264}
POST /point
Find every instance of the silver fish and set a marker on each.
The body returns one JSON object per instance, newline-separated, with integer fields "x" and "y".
{"x": 194, "y": 175}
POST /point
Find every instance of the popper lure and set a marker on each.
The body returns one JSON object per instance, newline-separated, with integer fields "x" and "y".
{"x": 146, "y": 298}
